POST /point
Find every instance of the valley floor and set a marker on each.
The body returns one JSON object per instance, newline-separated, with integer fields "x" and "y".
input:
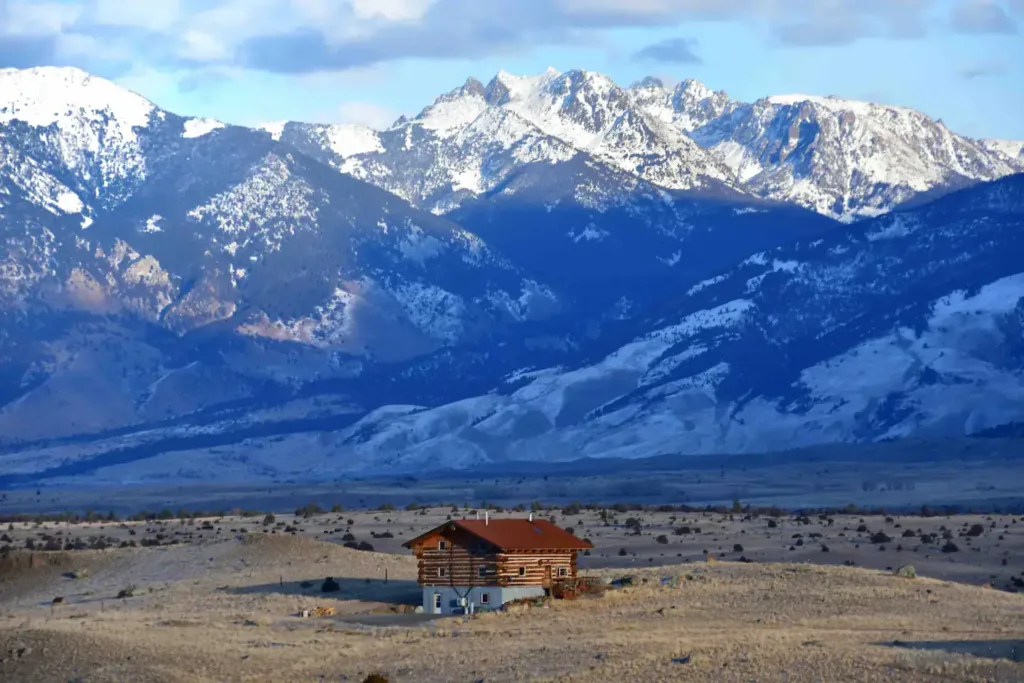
{"x": 223, "y": 608}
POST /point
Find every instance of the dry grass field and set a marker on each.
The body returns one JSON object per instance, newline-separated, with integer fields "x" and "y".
{"x": 223, "y": 606}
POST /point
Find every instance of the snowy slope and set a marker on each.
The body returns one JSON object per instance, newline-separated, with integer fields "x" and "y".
{"x": 1013, "y": 149}
{"x": 828, "y": 340}
{"x": 912, "y": 324}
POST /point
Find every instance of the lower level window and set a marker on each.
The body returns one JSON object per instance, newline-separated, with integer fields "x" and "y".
{"x": 485, "y": 598}
{"x": 563, "y": 571}
{"x": 440, "y": 572}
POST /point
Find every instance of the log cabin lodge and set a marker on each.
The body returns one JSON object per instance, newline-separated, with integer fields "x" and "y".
{"x": 480, "y": 564}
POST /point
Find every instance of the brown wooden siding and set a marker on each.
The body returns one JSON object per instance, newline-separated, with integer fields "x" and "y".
{"x": 465, "y": 555}
{"x": 461, "y": 560}
{"x": 539, "y": 569}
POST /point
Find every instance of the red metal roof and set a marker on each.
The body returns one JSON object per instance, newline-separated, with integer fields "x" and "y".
{"x": 517, "y": 534}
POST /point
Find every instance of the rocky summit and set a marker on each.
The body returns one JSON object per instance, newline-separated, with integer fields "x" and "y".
{"x": 538, "y": 268}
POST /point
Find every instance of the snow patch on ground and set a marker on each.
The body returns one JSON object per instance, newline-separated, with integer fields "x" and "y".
{"x": 275, "y": 128}
{"x": 69, "y": 202}
{"x": 419, "y": 246}
{"x": 196, "y": 128}
{"x": 349, "y": 139}
{"x": 153, "y": 224}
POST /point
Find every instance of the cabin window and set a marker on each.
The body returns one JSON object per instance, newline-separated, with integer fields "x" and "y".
{"x": 563, "y": 571}
{"x": 442, "y": 545}
{"x": 437, "y": 602}
{"x": 481, "y": 571}
{"x": 440, "y": 572}
{"x": 522, "y": 571}
{"x": 485, "y": 598}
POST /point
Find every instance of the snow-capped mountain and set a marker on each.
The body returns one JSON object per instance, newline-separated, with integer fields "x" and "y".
{"x": 842, "y": 158}
{"x": 911, "y": 324}
{"x": 537, "y": 268}
{"x": 471, "y": 139}
{"x": 133, "y": 238}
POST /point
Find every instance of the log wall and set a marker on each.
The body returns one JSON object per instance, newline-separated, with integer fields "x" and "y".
{"x": 466, "y": 561}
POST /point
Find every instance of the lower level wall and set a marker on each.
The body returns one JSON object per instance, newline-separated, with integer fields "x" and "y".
{"x": 450, "y": 597}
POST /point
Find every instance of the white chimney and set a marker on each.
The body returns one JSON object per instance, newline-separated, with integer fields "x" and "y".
{"x": 531, "y": 516}
{"x": 478, "y": 514}
{"x": 487, "y": 517}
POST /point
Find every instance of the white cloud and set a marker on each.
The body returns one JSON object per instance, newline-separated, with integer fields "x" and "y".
{"x": 302, "y": 36}
{"x": 203, "y": 47}
{"x": 34, "y": 18}
{"x": 391, "y": 10}
{"x": 153, "y": 15}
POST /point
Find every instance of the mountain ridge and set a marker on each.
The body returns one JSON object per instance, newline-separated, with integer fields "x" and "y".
{"x": 503, "y": 277}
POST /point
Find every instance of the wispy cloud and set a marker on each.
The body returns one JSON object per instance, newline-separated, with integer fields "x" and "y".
{"x": 676, "y": 50}
{"x": 981, "y": 16}
{"x": 304, "y": 36}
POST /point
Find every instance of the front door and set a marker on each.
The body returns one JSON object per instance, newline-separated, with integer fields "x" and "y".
{"x": 437, "y": 604}
{"x": 547, "y": 577}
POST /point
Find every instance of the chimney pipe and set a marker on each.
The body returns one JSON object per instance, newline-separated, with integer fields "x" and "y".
{"x": 478, "y": 514}
{"x": 531, "y": 516}
{"x": 487, "y": 517}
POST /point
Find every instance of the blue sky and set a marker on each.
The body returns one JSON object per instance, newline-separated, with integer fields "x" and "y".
{"x": 247, "y": 61}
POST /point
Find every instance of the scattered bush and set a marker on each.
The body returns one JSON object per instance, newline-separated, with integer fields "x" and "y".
{"x": 307, "y": 511}
{"x": 663, "y": 539}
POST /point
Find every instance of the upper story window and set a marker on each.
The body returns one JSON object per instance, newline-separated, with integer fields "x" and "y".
{"x": 440, "y": 572}
{"x": 563, "y": 571}
{"x": 442, "y": 545}
{"x": 481, "y": 571}
{"x": 522, "y": 571}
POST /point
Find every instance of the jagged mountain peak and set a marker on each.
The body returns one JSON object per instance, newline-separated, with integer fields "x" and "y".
{"x": 694, "y": 88}
{"x": 471, "y": 88}
{"x": 648, "y": 82}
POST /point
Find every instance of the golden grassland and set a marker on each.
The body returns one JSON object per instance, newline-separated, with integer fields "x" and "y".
{"x": 225, "y": 611}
